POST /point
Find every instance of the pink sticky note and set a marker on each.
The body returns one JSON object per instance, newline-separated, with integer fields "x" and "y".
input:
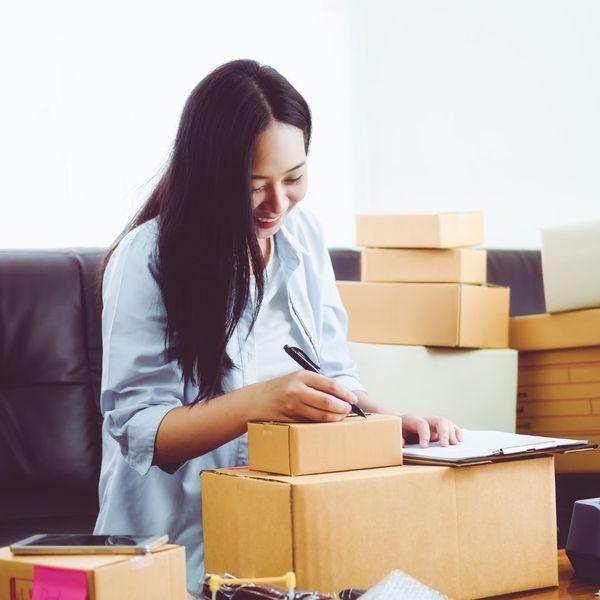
{"x": 50, "y": 583}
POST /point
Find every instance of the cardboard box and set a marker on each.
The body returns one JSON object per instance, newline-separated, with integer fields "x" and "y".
{"x": 304, "y": 448}
{"x": 559, "y": 391}
{"x": 475, "y": 388}
{"x": 427, "y": 314}
{"x": 468, "y": 532}
{"x": 157, "y": 576}
{"x": 573, "y": 426}
{"x": 443, "y": 230}
{"x": 560, "y": 408}
{"x": 580, "y": 462}
{"x": 570, "y": 258}
{"x": 458, "y": 265}
{"x": 558, "y": 358}
{"x": 548, "y": 332}
{"x": 559, "y": 396}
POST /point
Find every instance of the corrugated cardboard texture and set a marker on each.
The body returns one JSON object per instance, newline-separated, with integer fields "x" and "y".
{"x": 247, "y": 524}
{"x": 363, "y": 529}
{"x": 159, "y": 576}
{"x": 304, "y": 448}
{"x": 428, "y": 314}
{"x": 564, "y": 330}
{"x": 559, "y": 396}
{"x": 269, "y": 447}
{"x": 572, "y": 356}
{"x": 506, "y": 527}
{"x": 467, "y": 532}
{"x": 445, "y": 230}
{"x": 484, "y": 316}
{"x": 422, "y": 265}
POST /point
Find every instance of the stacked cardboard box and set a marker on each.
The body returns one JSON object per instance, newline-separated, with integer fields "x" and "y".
{"x": 420, "y": 286}
{"x": 559, "y": 380}
{"x": 468, "y": 532}
{"x": 559, "y": 360}
{"x": 421, "y": 297}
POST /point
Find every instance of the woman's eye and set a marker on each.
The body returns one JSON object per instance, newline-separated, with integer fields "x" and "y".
{"x": 259, "y": 189}
{"x": 296, "y": 180}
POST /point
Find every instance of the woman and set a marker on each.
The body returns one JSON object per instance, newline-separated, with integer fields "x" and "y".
{"x": 216, "y": 273}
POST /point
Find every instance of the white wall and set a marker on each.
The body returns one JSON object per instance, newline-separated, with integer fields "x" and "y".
{"x": 418, "y": 105}
{"x": 92, "y": 94}
{"x": 486, "y": 105}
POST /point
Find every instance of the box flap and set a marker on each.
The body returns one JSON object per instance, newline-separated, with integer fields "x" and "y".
{"x": 266, "y": 520}
{"x": 269, "y": 446}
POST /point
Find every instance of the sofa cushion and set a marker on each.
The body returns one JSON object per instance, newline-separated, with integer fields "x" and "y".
{"x": 50, "y": 436}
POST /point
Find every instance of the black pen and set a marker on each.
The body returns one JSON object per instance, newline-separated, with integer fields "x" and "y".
{"x": 300, "y": 357}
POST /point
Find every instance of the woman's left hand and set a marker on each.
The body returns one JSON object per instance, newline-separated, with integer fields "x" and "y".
{"x": 430, "y": 429}
{"x": 423, "y": 429}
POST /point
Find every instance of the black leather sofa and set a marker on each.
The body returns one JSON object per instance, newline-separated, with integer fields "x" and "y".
{"x": 50, "y": 362}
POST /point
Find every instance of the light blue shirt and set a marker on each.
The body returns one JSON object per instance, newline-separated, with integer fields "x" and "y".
{"x": 140, "y": 386}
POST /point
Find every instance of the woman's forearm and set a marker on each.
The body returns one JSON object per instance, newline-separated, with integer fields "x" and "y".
{"x": 190, "y": 431}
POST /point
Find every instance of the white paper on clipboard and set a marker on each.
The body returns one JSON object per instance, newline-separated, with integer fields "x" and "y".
{"x": 479, "y": 444}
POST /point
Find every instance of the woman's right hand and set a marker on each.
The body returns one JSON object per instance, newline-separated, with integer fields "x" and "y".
{"x": 299, "y": 396}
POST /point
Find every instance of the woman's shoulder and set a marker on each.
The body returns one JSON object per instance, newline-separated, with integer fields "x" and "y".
{"x": 140, "y": 241}
{"x": 137, "y": 249}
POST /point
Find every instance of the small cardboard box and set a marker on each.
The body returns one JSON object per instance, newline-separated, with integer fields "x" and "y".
{"x": 304, "y": 448}
{"x": 570, "y": 258}
{"x": 458, "y": 265}
{"x": 426, "y": 314}
{"x": 562, "y": 330}
{"x": 442, "y": 381}
{"x": 468, "y": 532}
{"x": 443, "y": 230}
{"x": 156, "y": 576}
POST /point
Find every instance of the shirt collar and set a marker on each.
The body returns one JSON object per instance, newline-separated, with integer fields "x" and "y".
{"x": 289, "y": 247}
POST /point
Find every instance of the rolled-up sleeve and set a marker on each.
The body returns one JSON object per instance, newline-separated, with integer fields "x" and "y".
{"x": 139, "y": 385}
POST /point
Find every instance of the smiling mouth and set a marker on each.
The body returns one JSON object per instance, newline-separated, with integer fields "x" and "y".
{"x": 266, "y": 222}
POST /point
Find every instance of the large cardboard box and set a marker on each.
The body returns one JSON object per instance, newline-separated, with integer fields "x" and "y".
{"x": 564, "y": 330}
{"x": 459, "y": 265}
{"x": 426, "y": 314}
{"x": 558, "y": 396}
{"x": 468, "y": 532}
{"x": 570, "y": 258}
{"x": 477, "y": 389}
{"x": 156, "y": 576}
{"x": 442, "y": 230}
{"x": 304, "y": 448}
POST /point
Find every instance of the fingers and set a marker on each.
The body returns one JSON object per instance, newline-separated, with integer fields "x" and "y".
{"x": 432, "y": 429}
{"x": 313, "y": 397}
{"x": 329, "y": 386}
{"x": 326, "y": 403}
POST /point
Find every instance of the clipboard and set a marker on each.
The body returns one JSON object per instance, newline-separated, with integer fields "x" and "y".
{"x": 481, "y": 447}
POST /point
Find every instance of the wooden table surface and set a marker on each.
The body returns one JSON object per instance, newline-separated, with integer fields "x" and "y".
{"x": 567, "y": 588}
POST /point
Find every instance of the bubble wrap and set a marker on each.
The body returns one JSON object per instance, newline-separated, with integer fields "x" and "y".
{"x": 400, "y": 586}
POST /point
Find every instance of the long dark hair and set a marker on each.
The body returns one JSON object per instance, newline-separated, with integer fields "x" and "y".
{"x": 207, "y": 243}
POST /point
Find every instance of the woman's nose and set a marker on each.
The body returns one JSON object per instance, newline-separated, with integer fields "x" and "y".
{"x": 278, "y": 201}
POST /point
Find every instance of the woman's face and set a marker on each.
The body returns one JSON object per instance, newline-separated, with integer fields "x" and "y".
{"x": 278, "y": 176}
